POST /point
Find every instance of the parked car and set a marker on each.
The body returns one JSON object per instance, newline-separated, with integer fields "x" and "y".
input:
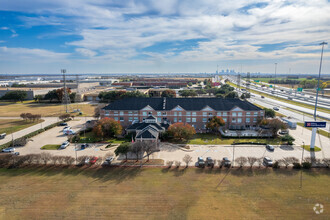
{"x": 63, "y": 124}
{"x": 66, "y": 128}
{"x": 8, "y": 150}
{"x": 284, "y": 132}
{"x": 69, "y": 132}
{"x": 268, "y": 162}
{"x": 262, "y": 97}
{"x": 209, "y": 162}
{"x": 93, "y": 160}
{"x": 270, "y": 147}
{"x": 311, "y": 97}
{"x": 83, "y": 146}
{"x": 15, "y": 153}
{"x": 201, "y": 162}
{"x": 87, "y": 159}
{"x": 108, "y": 161}
{"x": 225, "y": 162}
{"x": 3, "y": 135}
{"x": 65, "y": 144}
{"x": 89, "y": 121}
{"x": 276, "y": 109}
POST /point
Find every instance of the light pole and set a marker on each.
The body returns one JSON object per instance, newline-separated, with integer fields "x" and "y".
{"x": 302, "y": 157}
{"x": 317, "y": 95}
{"x": 275, "y": 79}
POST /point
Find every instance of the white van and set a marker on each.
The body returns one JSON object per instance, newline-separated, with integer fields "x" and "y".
{"x": 3, "y": 135}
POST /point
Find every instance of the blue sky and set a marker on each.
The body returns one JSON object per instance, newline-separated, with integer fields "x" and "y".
{"x": 168, "y": 36}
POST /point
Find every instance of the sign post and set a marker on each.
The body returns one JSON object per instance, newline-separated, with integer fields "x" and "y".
{"x": 314, "y": 125}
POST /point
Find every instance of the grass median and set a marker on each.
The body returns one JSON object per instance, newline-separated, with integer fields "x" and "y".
{"x": 51, "y": 147}
{"x": 161, "y": 193}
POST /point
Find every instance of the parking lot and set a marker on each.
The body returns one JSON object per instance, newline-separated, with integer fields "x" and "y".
{"x": 168, "y": 152}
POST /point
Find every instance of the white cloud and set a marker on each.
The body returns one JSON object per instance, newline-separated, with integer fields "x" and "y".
{"x": 86, "y": 52}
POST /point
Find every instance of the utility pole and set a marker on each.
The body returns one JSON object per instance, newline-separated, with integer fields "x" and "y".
{"x": 275, "y": 78}
{"x": 317, "y": 94}
{"x": 302, "y": 157}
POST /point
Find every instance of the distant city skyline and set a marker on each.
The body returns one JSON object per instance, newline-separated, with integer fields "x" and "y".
{"x": 170, "y": 36}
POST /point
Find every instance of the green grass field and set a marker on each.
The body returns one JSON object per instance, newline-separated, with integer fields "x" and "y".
{"x": 89, "y": 137}
{"x": 156, "y": 193}
{"x": 12, "y": 125}
{"x": 51, "y": 147}
{"x": 212, "y": 139}
{"x": 308, "y": 148}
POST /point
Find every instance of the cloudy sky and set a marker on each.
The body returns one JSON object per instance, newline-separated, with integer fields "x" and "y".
{"x": 163, "y": 36}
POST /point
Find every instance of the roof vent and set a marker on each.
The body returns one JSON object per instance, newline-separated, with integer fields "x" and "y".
{"x": 164, "y": 103}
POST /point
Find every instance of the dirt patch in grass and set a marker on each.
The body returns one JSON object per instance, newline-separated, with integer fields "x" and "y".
{"x": 156, "y": 193}
{"x": 12, "y": 125}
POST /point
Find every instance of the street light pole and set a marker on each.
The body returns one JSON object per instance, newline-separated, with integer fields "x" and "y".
{"x": 275, "y": 78}
{"x": 302, "y": 157}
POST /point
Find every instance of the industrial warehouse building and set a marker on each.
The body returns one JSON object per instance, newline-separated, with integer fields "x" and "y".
{"x": 236, "y": 113}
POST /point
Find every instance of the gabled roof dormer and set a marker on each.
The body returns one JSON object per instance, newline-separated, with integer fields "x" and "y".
{"x": 178, "y": 108}
{"x": 236, "y": 109}
{"x": 147, "y": 108}
{"x": 207, "y": 109}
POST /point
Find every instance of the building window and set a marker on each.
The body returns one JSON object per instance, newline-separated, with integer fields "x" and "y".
{"x": 255, "y": 113}
{"x": 204, "y": 119}
{"x": 233, "y": 120}
{"x": 193, "y": 119}
{"x": 248, "y": 113}
{"x": 224, "y": 113}
{"x": 135, "y": 112}
{"x": 225, "y": 119}
{"x": 194, "y": 114}
{"x": 107, "y": 112}
{"x": 188, "y": 119}
{"x": 234, "y": 114}
{"x": 164, "y": 114}
{"x": 239, "y": 114}
{"x": 261, "y": 113}
{"x": 130, "y": 113}
{"x": 254, "y": 119}
{"x": 218, "y": 113}
{"x": 180, "y": 113}
{"x": 175, "y": 114}
{"x": 175, "y": 119}
{"x": 159, "y": 120}
{"x": 144, "y": 113}
{"x": 116, "y": 118}
{"x": 121, "y": 118}
{"x": 115, "y": 112}
{"x": 247, "y": 120}
{"x": 239, "y": 120}
{"x": 159, "y": 114}
{"x": 188, "y": 113}
{"x": 121, "y": 113}
{"x": 210, "y": 114}
{"x": 180, "y": 119}
{"x": 204, "y": 113}
{"x": 130, "y": 119}
{"x": 136, "y": 118}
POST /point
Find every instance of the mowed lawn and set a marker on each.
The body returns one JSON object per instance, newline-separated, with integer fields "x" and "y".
{"x": 45, "y": 109}
{"x": 12, "y": 125}
{"x": 159, "y": 193}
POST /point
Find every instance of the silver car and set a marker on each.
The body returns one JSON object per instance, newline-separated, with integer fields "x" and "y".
{"x": 268, "y": 162}
{"x": 8, "y": 150}
{"x": 65, "y": 144}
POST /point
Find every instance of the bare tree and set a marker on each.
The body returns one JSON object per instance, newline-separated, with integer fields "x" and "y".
{"x": 98, "y": 161}
{"x": 37, "y": 158}
{"x": 45, "y": 157}
{"x": 280, "y": 162}
{"x": 241, "y": 161}
{"x": 69, "y": 160}
{"x": 29, "y": 159}
{"x": 252, "y": 161}
{"x": 54, "y": 159}
{"x": 187, "y": 159}
{"x": 169, "y": 163}
{"x": 287, "y": 161}
{"x": 149, "y": 148}
{"x": 326, "y": 162}
{"x": 259, "y": 161}
{"x": 137, "y": 148}
{"x": 177, "y": 164}
{"x": 81, "y": 160}
{"x": 61, "y": 159}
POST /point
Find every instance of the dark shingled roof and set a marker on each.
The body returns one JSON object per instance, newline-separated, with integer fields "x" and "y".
{"x": 142, "y": 125}
{"x": 189, "y": 104}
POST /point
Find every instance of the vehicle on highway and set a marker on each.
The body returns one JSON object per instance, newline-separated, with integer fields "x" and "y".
{"x": 93, "y": 160}
{"x": 225, "y": 162}
{"x": 83, "y": 146}
{"x": 200, "y": 162}
{"x": 276, "y": 108}
{"x": 311, "y": 97}
{"x": 8, "y": 150}
{"x": 65, "y": 144}
{"x": 209, "y": 162}
{"x": 270, "y": 147}
{"x": 268, "y": 162}
{"x": 63, "y": 124}
{"x": 3, "y": 135}
{"x": 262, "y": 97}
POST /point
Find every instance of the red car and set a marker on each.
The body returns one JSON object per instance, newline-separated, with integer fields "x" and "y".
{"x": 93, "y": 160}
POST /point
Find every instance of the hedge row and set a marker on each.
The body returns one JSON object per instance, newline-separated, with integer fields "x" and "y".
{"x": 32, "y": 134}
{"x": 253, "y": 143}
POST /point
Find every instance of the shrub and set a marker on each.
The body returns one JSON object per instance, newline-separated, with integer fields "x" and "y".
{"x": 296, "y": 165}
{"x": 276, "y": 165}
{"x": 307, "y": 165}
{"x": 169, "y": 163}
{"x": 177, "y": 164}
